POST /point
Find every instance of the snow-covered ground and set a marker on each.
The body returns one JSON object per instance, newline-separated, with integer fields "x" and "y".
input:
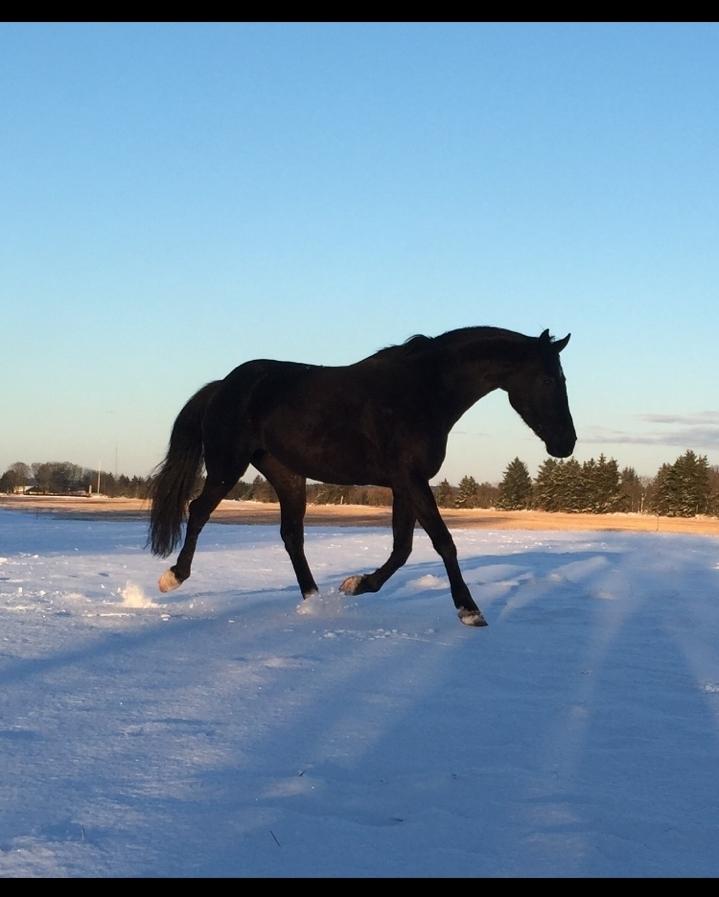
{"x": 219, "y": 731}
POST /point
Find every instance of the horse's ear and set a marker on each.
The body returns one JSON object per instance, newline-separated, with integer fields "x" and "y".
{"x": 560, "y": 343}
{"x": 544, "y": 338}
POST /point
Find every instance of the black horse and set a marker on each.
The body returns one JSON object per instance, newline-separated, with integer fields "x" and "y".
{"x": 382, "y": 421}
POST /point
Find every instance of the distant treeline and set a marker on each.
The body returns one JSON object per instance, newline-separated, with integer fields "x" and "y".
{"x": 66, "y": 478}
{"x": 685, "y": 488}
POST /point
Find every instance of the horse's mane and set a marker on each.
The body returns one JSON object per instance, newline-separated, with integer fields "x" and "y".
{"x": 409, "y": 347}
{"x": 419, "y": 343}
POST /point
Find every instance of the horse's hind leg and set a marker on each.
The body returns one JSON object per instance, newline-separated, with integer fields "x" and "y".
{"x": 292, "y": 494}
{"x": 218, "y": 484}
{"x": 403, "y": 519}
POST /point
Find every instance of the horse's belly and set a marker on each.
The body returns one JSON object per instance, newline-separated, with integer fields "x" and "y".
{"x": 331, "y": 456}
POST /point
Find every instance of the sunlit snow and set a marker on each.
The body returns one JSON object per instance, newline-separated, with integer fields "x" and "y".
{"x": 216, "y": 730}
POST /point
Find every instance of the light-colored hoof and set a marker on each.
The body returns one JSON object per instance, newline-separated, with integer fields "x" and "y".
{"x": 351, "y": 585}
{"x": 168, "y": 581}
{"x": 472, "y": 617}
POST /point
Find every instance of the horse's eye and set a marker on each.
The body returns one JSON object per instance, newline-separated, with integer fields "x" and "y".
{"x": 547, "y": 381}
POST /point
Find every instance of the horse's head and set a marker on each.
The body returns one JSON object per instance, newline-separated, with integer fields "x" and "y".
{"x": 538, "y": 392}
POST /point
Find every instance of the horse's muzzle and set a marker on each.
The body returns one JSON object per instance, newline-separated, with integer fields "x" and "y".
{"x": 561, "y": 448}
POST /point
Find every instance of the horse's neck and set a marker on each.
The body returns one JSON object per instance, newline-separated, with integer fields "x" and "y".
{"x": 471, "y": 372}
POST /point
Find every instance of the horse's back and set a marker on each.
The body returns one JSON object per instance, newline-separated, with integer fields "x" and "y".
{"x": 318, "y": 421}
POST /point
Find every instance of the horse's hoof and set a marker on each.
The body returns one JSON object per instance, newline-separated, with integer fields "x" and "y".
{"x": 168, "y": 581}
{"x": 358, "y": 585}
{"x": 353, "y": 585}
{"x": 471, "y": 617}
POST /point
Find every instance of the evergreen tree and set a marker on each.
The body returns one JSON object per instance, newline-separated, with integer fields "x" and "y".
{"x": 591, "y": 486}
{"x": 692, "y": 473}
{"x": 444, "y": 494}
{"x": 572, "y": 491}
{"x": 605, "y": 491}
{"x": 546, "y": 486}
{"x": 467, "y": 493}
{"x": 683, "y": 488}
{"x": 663, "y": 492}
{"x": 713, "y": 502}
{"x": 515, "y": 490}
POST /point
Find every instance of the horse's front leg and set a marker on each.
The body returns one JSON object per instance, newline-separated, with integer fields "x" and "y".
{"x": 403, "y": 519}
{"x": 431, "y": 521}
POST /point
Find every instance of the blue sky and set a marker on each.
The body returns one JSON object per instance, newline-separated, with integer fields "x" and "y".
{"x": 177, "y": 199}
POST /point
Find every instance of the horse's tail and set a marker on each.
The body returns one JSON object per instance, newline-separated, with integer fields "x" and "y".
{"x": 174, "y": 479}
